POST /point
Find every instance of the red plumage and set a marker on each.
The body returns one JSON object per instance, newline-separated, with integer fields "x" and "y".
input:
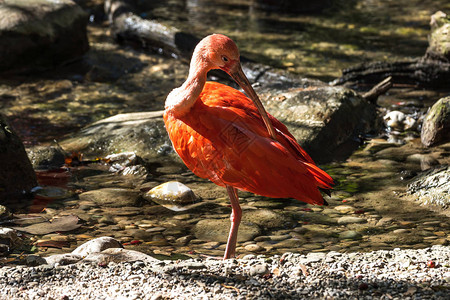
{"x": 223, "y": 138}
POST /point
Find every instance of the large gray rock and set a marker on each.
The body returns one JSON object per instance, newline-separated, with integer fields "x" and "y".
{"x": 36, "y": 34}
{"x": 436, "y": 125}
{"x": 16, "y": 173}
{"x": 439, "y": 39}
{"x": 47, "y": 157}
{"x": 327, "y": 121}
{"x": 142, "y": 133}
{"x": 432, "y": 187}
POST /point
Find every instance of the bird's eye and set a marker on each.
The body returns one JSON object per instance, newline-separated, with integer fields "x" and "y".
{"x": 224, "y": 58}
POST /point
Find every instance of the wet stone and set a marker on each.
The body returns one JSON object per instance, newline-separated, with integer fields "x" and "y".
{"x": 155, "y": 229}
{"x": 312, "y": 246}
{"x": 350, "y": 235}
{"x": 184, "y": 240}
{"x": 253, "y": 248}
{"x": 169, "y": 170}
{"x": 344, "y": 209}
{"x": 293, "y": 243}
{"x": 317, "y": 218}
{"x": 350, "y": 220}
{"x": 108, "y": 219}
{"x": 217, "y": 230}
{"x": 141, "y": 234}
{"x": 316, "y": 231}
{"x": 210, "y": 245}
{"x": 279, "y": 237}
{"x": 112, "y": 197}
{"x": 172, "y": 195}
{"x": 268, "y": 203}
{"x": 261, "y": 238}
{"x": 384, "y": 221}
{"x": 61, "y": 238}
{"x": 267, "y": 219}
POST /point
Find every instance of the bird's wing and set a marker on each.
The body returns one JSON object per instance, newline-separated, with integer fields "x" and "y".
{"x": 219, "y": 95}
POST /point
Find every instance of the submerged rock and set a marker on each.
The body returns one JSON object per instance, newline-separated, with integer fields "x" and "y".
{"x": 268, "y": 219}
{"x": 112, "y": 197}
{"x": 436, "y": 125}
{"x": 36, "y": 34}
{"x": 217, "y": 230}
{"x": 432, "y": 187}
{"x": 350, "y": 235}
{"x": 142, "y": 133}
{"x": 16, "y": 172}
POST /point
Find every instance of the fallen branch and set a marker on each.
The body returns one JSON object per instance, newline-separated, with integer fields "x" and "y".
{"x": 431, "y": 70}
{"x": 129, "y": 27}
{"x": 378, "y": 90}
{"x": 422, "y": 72}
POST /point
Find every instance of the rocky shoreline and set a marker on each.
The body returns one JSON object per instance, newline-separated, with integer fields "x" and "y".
{"x": 394, "y": 274}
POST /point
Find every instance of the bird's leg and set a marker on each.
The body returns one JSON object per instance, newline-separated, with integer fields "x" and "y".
{"x": 236, "y": 215}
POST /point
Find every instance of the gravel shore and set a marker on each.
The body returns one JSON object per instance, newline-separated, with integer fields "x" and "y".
{"x": 396, "y": 274}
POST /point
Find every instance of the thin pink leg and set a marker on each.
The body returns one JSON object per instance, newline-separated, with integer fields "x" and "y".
{"x": 236, "y": 215}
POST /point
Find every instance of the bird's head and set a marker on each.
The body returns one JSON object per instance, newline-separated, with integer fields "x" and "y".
{"x": 218, "y": 51}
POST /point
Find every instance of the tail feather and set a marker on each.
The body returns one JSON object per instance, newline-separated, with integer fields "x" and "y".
{"x": 324, "y": 181}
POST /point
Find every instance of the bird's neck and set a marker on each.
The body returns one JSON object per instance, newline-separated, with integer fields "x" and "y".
{"x": 180, "y": 100}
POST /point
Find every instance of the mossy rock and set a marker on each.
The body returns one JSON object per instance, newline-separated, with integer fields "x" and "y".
{"x": 38, "y": 34}
{"x": 436, "y": 126}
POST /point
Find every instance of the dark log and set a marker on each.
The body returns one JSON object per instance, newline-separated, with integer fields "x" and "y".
{"x": 129, "y": 27}
{"x": 378, "y": 90}
{"x": 422, "y": 72}
{"x": 431, "y": 70}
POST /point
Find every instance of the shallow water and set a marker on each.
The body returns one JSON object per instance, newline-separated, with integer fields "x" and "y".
{"x": 114, "y": 79}
{"x": 313, "y": 45}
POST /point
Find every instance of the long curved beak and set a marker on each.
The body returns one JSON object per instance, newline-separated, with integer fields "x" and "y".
{"x": 238, "y": 75}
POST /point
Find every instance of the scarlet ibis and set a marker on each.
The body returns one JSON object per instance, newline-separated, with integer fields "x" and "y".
{"x": 223, "y": 136}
